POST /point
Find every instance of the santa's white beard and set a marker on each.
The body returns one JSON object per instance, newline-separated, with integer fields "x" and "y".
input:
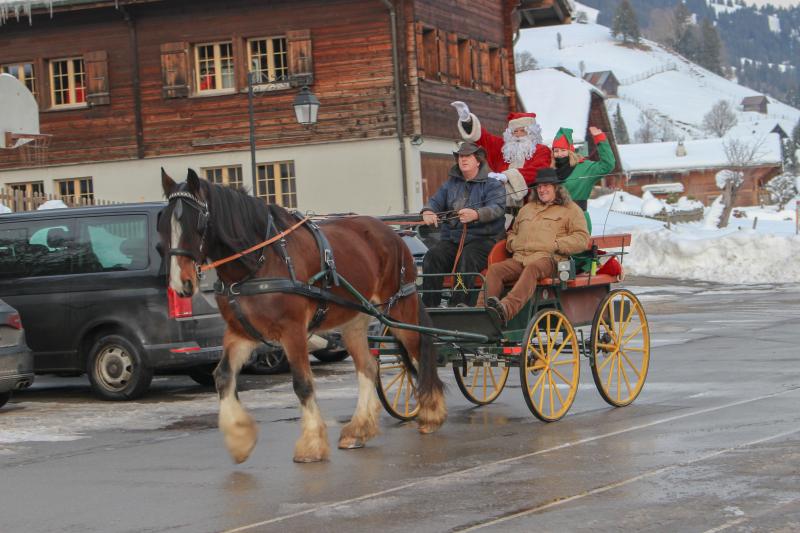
{"x": 517, "y": 150}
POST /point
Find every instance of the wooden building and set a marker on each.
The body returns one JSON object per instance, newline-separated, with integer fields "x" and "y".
{"x": 127, "y": 86}
{"x": 603, "y": 80}
{"x": 755, "y": 103}
{"x": 695, "y": 165}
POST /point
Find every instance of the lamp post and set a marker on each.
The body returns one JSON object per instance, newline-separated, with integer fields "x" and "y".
{"x": 305, "y": 105}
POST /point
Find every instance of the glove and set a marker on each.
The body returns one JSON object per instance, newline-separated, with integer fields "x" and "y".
{"x": 502, "y": 178}
{"x": 463, "y": 110}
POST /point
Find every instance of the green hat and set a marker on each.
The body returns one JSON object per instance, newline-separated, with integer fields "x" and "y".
{"x": 563, "y": 139}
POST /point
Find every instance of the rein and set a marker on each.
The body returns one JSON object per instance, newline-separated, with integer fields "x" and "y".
{"x": 252, "y": 249}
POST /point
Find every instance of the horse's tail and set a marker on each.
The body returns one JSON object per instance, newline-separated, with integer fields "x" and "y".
{"x": 430, "y": 389}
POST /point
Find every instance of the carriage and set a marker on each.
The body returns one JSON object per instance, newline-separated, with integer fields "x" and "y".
{"x": 545, "y": 342}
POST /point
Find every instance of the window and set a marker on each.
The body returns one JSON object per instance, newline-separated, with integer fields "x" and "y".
{"x": 276, "y": 183}
{"x": 268, "y": 59}
{"x": 24, "y": 195}
{"x": 76, "y": 191}
{"x": 24, "y": 73}
{"x": 214, "y": 67}
{"x": 229, "y": 176}
{"x": 496, "y": 69}
{"x": 430, "y": 54}
{"x": 111, "y": 243}
{"x": 35, "y": 248}
{"x": 67, "y": 82}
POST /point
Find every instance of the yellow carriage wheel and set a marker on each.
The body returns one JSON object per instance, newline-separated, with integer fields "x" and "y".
{"x": 550, "y": 366}
{"x": 483, "y": 384}
{"x": 620, "y": 347}
{"x": 397, "y": 388}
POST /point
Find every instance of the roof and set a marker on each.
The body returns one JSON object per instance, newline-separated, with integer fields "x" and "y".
{"x": 535, "y": 13}
{"x": 558, "y": 99}
{"x": 758, "y": 99}
{"x": 702, "y": 154}
{"x": 70, "y": 212}
{"x": 599, "y": 78}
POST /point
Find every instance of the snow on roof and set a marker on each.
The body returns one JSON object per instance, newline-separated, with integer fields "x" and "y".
{"x": 558, "y": 99}
{"x": 705, "y": 153}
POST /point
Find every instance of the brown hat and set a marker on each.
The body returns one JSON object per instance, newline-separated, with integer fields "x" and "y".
{"x": 469, "y": 148}
{"x": 547, "y": 175}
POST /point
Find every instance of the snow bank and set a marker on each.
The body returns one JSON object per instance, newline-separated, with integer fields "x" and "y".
{"x": 52, "y": 204}
{"x": 4, "y": 209}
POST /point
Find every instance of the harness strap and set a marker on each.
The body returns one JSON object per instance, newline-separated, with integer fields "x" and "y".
{"x": 248, "y": 327}
{"x": 282, "y": 285}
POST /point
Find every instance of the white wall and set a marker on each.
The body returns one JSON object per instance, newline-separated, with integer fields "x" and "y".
{"x": 360, "y": 177}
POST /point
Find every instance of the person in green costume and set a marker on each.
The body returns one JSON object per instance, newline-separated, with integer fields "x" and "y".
{"x": 580, "y": 175}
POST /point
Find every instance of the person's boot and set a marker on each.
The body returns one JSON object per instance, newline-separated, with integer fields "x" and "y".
{"x": 494, "y": 304}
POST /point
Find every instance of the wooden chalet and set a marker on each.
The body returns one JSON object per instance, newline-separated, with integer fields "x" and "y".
{"x": 603, "y": 80}
{"x": 756, "y": 103}
{"x": 127, "y": 86}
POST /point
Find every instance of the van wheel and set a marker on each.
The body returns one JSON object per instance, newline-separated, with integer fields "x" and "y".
{"x": 117, "y": 370}
{"x": 267, "y": 361}
{"x": 4, "y": 397}
{"x": 331, "y": 356}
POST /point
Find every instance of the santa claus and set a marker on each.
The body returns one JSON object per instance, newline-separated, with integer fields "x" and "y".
{"x": 516, "y": 157}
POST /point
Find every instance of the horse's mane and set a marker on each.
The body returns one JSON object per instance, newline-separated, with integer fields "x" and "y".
{"x": 239, "y": 220}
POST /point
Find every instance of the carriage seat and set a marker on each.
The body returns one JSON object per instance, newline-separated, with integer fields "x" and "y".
{"x": 621, "y": 240}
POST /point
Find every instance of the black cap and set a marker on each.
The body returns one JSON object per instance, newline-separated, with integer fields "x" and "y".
{"x": 547, "y": 175}
{"x": 468, "y": 148}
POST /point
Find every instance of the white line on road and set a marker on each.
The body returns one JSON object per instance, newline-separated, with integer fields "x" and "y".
{"x": 509, "y": 460}
{"x": 628, "y": 481}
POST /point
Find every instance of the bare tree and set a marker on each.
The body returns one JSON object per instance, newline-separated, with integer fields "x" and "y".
{"x": 740, "y": 155}
{"x": 525, "y": 61}
{"x": 720, "y": 119}
{"x": 661, "y": 27}
{"x": 648, "y": 131}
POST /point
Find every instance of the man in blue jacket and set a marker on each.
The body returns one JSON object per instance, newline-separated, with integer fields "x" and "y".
{"x": 468, "y": 198}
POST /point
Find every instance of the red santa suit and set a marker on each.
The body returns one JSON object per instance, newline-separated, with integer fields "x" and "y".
{"x": 521, "y": 171}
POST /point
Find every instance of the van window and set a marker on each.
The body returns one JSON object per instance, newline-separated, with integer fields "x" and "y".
{"x": 36, "y": 248}
{"x": 112, "y": 243}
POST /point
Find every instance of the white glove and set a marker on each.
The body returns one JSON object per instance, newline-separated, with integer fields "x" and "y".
{"x": 463, "y": 110}
{"x": 502, "y": 178}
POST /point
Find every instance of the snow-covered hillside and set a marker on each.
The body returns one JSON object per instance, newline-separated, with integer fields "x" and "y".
{"x": 657, "y": 81}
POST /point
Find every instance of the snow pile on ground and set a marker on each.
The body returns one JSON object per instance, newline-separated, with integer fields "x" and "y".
{"x": 648, "y": 205}
{"x": 52, "y": 204}
{"x": 737, "y": 254}
{"x": 4, "y": 209}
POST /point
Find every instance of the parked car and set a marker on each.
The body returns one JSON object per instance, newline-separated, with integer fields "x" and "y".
{"x": 91, "y": 288}
{"x": 16, "y": 360}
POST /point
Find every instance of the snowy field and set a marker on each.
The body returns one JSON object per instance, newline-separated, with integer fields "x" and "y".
{"x": 737, "y": 254}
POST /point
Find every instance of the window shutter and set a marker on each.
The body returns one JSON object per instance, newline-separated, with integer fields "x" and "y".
{"x": 422, "y": 64}
{"x": 441, "y": 45}
{"x": 505, "y": 72}
{"x": 301, "y": 61}
{"x": 486, "y": 70}
{"x": 475, "y": 54}
{"x": 96, "y": 64}
{"x": 175, "y": 70}
{"x": 452, "y": 58}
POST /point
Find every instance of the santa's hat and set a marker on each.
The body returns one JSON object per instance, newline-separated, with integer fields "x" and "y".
{"x": 563, "y": 139}
{"x": 521, "y": 120}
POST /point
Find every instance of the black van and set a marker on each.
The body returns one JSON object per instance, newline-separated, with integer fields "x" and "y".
{"x": 91, "y": 288}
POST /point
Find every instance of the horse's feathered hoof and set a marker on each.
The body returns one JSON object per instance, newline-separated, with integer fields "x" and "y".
{"x": 350, "y": 443}
{"x": 426, "y": 429}
{"x": 308, "y": 459}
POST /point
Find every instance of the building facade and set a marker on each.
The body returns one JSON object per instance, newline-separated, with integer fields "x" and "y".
{"x": 127, "y": 87}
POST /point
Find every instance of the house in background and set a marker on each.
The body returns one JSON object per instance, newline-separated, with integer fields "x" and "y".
{"x": 545, "y": 92}
{"x": 603, "y": 80}
{"x": 660, "y": 167}
{"x": 126, "y": 87}
{"x": 755, "y": 103}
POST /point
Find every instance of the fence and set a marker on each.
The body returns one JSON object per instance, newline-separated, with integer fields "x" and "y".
{"x": 17, "y": 200}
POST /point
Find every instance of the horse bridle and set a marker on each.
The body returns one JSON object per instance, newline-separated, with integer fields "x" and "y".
{"x": 202, "y": 222}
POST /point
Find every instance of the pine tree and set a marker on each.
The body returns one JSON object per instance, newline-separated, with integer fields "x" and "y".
{"x": 794, "y": 147}
{"x": 625, "y": 23}
{"x": 711, "y": 48}
{"x": 685, "y": 40}
{"x": 620, "y": 129}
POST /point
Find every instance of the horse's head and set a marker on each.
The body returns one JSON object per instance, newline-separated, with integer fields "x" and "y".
{"x": 183, "y": 228}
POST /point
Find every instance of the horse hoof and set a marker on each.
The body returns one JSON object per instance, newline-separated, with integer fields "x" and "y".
{"x": 426, "y": 429}
{"x": 351, "y": 443}
{"x": 308, "y": 459}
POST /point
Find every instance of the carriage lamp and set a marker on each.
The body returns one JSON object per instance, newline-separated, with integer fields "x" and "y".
{"x": 306, "y": 106}
{"x": 566, "y": 270}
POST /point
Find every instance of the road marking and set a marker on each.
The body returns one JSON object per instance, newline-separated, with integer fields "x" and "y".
{"x": 509, "y": 460}
{"x": 610, "y": 486}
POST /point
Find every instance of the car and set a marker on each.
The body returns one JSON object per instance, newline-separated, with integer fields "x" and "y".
{"x": 90, "y": 286}
{"x": 16, "y": 360}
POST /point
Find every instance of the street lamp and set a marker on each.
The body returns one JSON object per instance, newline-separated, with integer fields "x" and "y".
{"x": 306, "y": 107}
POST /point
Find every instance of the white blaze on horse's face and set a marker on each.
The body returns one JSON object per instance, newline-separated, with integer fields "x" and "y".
{"x": 174, "y": 268}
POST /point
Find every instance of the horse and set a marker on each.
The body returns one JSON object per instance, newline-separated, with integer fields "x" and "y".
{"x": 205, "y": 222}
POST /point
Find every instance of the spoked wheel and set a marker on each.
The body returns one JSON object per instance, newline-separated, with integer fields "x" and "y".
{"x": 620, "y": 347}
{"x": 396, "y": 386}
{"x": 550, "y": 368}
{"x": 483, "y": 384}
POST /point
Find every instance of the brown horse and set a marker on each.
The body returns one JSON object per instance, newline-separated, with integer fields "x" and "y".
{"x": 204, "y": 221}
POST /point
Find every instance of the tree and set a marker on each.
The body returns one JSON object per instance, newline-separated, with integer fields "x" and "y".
{"x": 524, "y": 61}
{"x": 661, "y": 27}
{"x": 720, "y": 119}
{"x": 795, "y": 147}
{"x": 620, "y": 129}
{"x": 782, "y": 188}
{"x": 666, "y": 130}
{"x": 625, "y": 23}
{"x": 647, "y": 132}
{"x": 710, "y": 56}
{"x": 740, "y": 155}
{"x": 685, "y": 40}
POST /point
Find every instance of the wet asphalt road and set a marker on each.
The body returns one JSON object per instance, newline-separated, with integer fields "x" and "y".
{"x": 712, "y": 444}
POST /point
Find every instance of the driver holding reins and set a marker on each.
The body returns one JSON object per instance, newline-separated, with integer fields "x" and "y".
{"x": 468, "y": 199}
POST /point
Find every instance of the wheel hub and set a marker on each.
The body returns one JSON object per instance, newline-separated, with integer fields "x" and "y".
{"x": 115, "y": 367}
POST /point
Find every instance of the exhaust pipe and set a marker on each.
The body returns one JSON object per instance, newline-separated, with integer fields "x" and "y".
{"x": 24, "y": 384}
